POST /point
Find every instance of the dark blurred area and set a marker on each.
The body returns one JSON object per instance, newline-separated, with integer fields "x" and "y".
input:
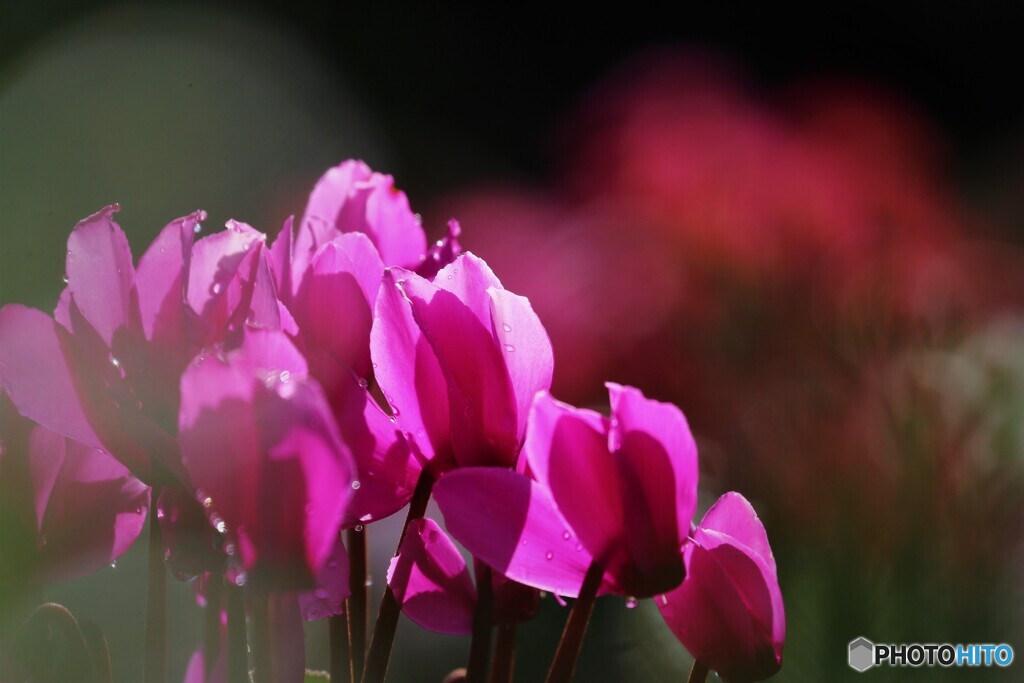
{"x": 805, "y": 227}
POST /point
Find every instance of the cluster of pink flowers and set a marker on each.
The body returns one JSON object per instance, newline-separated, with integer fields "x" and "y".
{"x": 262, "y": 398}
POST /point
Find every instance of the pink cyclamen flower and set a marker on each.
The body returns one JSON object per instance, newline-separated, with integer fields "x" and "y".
{"x": 105, "y": 370}
{"x": 66, "y": 509}
{"x": 617, "y": 491}
{"x": 459, "y": 360}
{"x": 261, "y": 447}
{"x": 728, "y": 612}
{"x": 328, "y": 270}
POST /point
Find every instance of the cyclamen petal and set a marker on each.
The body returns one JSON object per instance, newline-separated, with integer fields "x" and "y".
{"x": 431, "y": 582}
{"x": 259, "y": 440}
{"x": 100, "y": 273}
{"x": 641, "y": 465}
{"x": 511, "y": 524}
{"x": 729, "y": 612}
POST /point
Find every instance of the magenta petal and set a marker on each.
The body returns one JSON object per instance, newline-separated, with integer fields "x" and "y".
{"x": 712, "y": 618}
{"x": 567, "y": 451}
{"x": 327, "y": 599}
{"x": 735, "y": 517}
{"x": 469, "y": 278}
{"x": 334, "y": 304}
{"x": 160, "y": 281}
{"x": 216, "y": 260}
{"x": 36, "y": 374}
{"x": 641, "y": 428}
{"x": 100, "y": 273}
{"x": 262, "y": 445}
{"x": 431, "y": 582}
{"x": 526, "y": 347}
{"x": 481, "y": 402}
{"x": 511, "y": 524}
{"x": 408, "y": 371}
{"x": 281, "y": 260}
{"x": 95, "y": 513}
{"x": 352, "y": 198}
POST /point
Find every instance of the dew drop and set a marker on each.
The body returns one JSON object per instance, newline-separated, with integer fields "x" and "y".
{"x": 65, "y": 279}
{"x": 138, "y": 510}
{"x": 197, "y": 228}
{"x": 506, "y": 327}
{"x": 356, "y": 484}
{"x": 220, "y": 526}
{"x": 393, "y": 419}
{"x": 229, "y": 549}
{"x": 631, "y": 602}
{"x": 419, "y": 219}
{"x": 664, "y": 599}
{"x": 113, "y": 565}
{"x": 285, "y": 376}
{"x": 115, "y": 362}
{"x": 215, "y": 288}
{"x": 358, "y": 527}
{"x": 240, "y": 579}
{"x": 368, "y": 582}
{"x": 509, "y": 348}
{"x": 373, "y": 365}
{"x": 549, "y": 556}
{"x": 245, "y": 247}
{"x": 579, "y": 547}
{"x": 566, "y": 535}
{"x": 160, "y": 514}
{"x": 362, "y": 382}
{"x": 524, "y": 541}
{"x": 207, "y": 502}
{"x": 167, "y": 556}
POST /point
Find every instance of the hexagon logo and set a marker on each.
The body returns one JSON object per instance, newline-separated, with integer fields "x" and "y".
{"x": 862, "y": 654}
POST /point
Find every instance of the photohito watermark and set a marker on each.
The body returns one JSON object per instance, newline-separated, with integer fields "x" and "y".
{"x": 864, "y": 654}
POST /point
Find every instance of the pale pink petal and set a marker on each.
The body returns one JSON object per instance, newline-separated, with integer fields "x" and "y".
{"x": 100, "y": 273}
{"x": 511, "y": 523}
{"x": 160, "y": 281}
{"x": 281, "y": 260}
{"x": 216, "y": 260}
{"x": 431, "y": 582}
{"x": 469, "y": 278}
{"x": 392, "y": 225}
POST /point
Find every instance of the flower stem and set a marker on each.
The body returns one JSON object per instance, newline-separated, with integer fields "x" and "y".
{"x": 359, "y": 594}
{"x": 341, "y": 659}
{"x": 211, "y": 622}
{"x": 238, "y": 664}
{"x": 99, "y": 651}
{"x": 36, "y": 647}
{"x": 262, "y": 640}
{"x": 156, "y": 601}
{"x": 569, "y": 647}
{"x": 698, "y": 673}
{"x": 504, "y": 654}
{"x": 387, "y": 618}
{"x": 483, "y": 619}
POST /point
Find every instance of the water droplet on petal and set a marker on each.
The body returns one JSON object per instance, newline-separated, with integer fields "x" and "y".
{"x": 579, "y": 547}
{"x": 215, "y": 288}
{"x": 506, "y": 327}
{"x": 207, "y": 502}
{"x": 509, "y": 348}
{"x": 65, "y": 279}
{"x": 358, "y": 527}
{"x": 549, "y": 556}
{"x": 113, "y": 565}
{"x": 197, "y": 228}
{"x": 362, "y": 382}
{"x": 566, "y": 535}
{"x": 240, "y": 579}
{"x": 138, "y": 509}
{"x": 631, "y": 602}
{"x": 356, "y": 484}
{"x": 220, "y": 526}
{"x": 285, "y": 376}
{"x": 418, "y": 218}
{"x": 115, "y": 362}
{"x": 664, "y": 599}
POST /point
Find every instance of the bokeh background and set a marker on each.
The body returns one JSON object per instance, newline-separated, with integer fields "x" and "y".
{"x": 805, "y": 228}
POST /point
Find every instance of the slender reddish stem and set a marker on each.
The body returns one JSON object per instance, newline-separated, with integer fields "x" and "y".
{"x": 211, "y": 622}
{"x": 358, "y": 599}
{"x": 156, "y": 600}
{"x": 99, "y": 651}
{"x": 569, "y": 647}
{"x": 238, "y": 659}
{"x": 37, "y": 649}
{"x": 387, "y": 618}
{"x": 504, "y": 654}
{"x": 341, "y": 659}
{"x": 698, "y": 674}
{"x": 483, "y": 620}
